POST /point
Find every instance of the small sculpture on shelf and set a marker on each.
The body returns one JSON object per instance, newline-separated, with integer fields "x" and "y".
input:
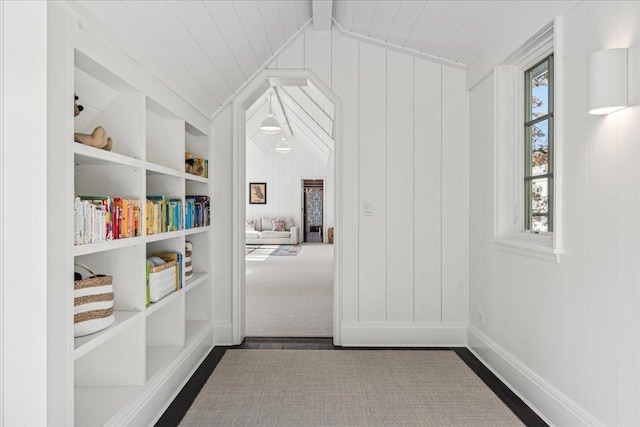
{"x": 98, "y": 138}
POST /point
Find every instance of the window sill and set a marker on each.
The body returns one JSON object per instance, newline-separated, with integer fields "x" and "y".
{"x": 536, "y": 250}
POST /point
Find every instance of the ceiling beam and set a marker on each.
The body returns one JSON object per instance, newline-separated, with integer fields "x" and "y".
{"x": 322, "y": 14}
{"x": 284, "y": 113}
{"x": 306, "y": 113}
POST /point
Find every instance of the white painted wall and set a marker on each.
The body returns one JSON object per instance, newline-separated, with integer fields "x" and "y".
{"x": 23, "y": 295}
{"x": 567, "y": 335}
{"x": 405, "y": 133}
{"x": 283, "y": 174}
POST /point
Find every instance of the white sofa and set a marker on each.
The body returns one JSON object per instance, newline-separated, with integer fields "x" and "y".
{"x": 263, "y": 233}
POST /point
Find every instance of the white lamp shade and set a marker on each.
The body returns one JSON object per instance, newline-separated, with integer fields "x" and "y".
{"x": 607, "y": 81}
{"x": 283, "y": 146}
{"x": 270, "y": 125}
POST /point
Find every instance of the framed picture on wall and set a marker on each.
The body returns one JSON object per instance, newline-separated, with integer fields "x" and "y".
{"x": 258, "y": 193}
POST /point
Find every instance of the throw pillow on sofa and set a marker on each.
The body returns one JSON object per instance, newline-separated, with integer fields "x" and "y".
{"x": 278, "y": 225}
{"x": 288, "y": 223}
{"x": 251, "y": 225}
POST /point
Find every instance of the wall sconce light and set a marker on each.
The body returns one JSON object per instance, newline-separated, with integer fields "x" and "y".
{"x": 607, "y": 81}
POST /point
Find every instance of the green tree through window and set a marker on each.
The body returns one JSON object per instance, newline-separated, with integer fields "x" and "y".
{"x": 538, "y": 149}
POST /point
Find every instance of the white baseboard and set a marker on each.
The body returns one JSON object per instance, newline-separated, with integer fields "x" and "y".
{"x": 222, "y": 333}
{"x": 381, "y": 334}
{"x": 553, "y": 406}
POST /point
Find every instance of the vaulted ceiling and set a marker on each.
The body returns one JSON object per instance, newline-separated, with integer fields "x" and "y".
{"x": 454, "y": 30}
{"x": 206, "y": 50}
{"x": 306, "y": 115}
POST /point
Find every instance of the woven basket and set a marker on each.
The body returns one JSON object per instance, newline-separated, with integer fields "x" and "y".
{"x": 92, "y": 304}
{"x": 162, "y": 280}
{"x": 188, "y": 269}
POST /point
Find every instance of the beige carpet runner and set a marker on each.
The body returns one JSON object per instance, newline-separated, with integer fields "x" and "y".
{"x": 346, "y": 388}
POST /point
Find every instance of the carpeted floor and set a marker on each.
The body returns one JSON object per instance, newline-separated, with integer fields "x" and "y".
{"x": 346, "y": 388}
{"x": 291, "y": 296}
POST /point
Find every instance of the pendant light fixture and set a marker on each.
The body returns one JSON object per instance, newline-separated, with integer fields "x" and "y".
{"x": 283, "y": 146}
{"x": 270, "y": 125}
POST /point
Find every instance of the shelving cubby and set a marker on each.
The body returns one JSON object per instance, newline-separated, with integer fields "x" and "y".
{"x": 107, "y": 376}
{"x": 112, "y": 103}
{"x": 174, "y": 244}
{"x": 165, "y": 334}
{"x": 165, "y": 138}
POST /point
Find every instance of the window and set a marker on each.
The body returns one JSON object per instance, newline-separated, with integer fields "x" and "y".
{"x": 528, "y": 149}
{"x": 538, "y": 147}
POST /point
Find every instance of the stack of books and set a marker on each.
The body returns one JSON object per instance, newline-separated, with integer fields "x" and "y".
{"x": 197, "y": 211}
{"x": 103, "y": 218}
{"x": 163, "y": 214}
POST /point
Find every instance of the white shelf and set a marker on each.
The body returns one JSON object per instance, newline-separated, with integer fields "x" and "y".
{"x": 164, "y": 236}
{"x": 194, "y": 327}
{"x": 92, "y": 248}
{"x": 198, "y": 279}
{"x": 95, "y": 406}
{"x": 196, "y": 230}
{"x": 153, "y": 169}
{"x": 158, "y": 356}
{"x": 87, "y": 155}
{"x": 83, "y": 345}
{"x": 155, "y": 306}
{"x": 196, "y": 178}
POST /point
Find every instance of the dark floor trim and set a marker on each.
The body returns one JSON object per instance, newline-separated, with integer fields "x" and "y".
{"x": 180, "y": 405}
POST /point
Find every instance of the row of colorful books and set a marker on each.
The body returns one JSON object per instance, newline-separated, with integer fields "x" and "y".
{"x": 163, "y": 214}
{"x": 102, "y": 218}
{"x": 197, "y": 211}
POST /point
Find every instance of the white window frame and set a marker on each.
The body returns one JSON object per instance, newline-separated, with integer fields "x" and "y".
{"x": 509, "y": 220}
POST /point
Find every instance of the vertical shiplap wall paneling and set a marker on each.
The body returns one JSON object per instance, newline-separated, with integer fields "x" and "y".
{"x": 222, "y": 183}
{"x": 292, "y": 58}
{"x": 480, "y": 213}
{"x": 455, "y": 196}
{"x": 427, "y": 183}
{"x": 574, "y": 325}
{"x": 628, "y": 298}
{"x": 317, "y": 54}
{"x": 574, "y": 276}
{"x": 393, "y": 155}
{"x": 602, "y": 251}
{"x": 400, "y": 187}
{"x": 345, "y": 63}
{"x": 372, "y": 182}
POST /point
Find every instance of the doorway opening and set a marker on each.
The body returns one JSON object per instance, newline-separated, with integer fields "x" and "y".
{"x": 313, "y": 210}
{"x": 301, "y": 84}
{"x": 290, "y": 179}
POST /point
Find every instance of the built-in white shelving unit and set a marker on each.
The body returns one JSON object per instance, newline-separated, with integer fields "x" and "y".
{"x": 128, "y": 373}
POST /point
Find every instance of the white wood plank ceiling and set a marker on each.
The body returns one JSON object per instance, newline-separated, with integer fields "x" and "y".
{"x": 453, "y": 30}
{"x": 206, "y": 50}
